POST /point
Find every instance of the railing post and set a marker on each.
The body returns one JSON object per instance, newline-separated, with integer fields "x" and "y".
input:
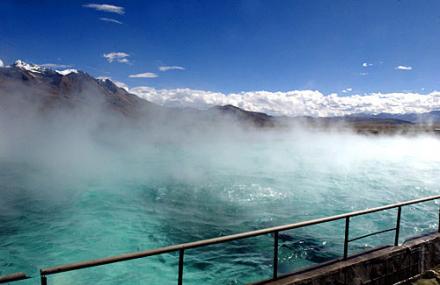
{"x": 180, "y": 278}
{"x": 275, "y": 255}
{"x": 438, "y": 219}
{"x": 43, "y": 280}
{"x": 347, "y": 230}
{"x": 396, "y": 238}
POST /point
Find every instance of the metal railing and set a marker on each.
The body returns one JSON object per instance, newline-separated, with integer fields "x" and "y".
{"x": 13, "y": 277}
{"x": 274, "y": 231}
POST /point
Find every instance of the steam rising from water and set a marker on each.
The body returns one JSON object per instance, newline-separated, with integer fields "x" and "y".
{"x": 86, "y": 185}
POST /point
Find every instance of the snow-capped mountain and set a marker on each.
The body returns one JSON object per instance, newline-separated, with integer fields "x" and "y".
{"x": 68, "y": 88}
{"x": 28, "y": 67}
{"x": 35, "y": 68}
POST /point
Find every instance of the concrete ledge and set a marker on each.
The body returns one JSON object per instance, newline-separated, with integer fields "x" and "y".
{"x": 384, "y": 266}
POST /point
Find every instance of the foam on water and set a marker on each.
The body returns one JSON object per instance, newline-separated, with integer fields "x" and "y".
{"x": 155, "y": 195}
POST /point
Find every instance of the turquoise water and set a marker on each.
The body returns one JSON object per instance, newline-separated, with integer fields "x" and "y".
{"x": 63, "y": 203}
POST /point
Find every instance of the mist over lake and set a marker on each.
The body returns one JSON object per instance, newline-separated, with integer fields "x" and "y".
{"x": 71, "y": 198}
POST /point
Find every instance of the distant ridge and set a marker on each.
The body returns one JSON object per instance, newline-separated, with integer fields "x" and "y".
{"x": 49, "y": 89}
{"x": 261, "y": 119}
{"x": 429, "y": 117}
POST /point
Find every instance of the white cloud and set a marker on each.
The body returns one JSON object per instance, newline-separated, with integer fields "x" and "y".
{"x": 296, "y": 102}
{"x": 55, "y": 65}
{"x": 106, "y": 8}
{"x": 144, "y": 75}
{"x": 403, "y": 67}
{"x": 346, "y": 90}
{"x": 1, "y": 63}
{"x": 110, "y": 20}
{"x": 363, "y": 73}
{"x": 170, "y": 67}
{"x": 366, "y": 64}
{"x": 117, "y": 56}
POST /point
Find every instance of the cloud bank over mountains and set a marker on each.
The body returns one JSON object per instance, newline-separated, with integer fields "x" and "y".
{"x": 296, "y": 102}
{"x": 281, "y": 103}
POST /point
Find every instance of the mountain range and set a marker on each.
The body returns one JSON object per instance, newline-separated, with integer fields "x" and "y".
{"x": 23, "y": 85}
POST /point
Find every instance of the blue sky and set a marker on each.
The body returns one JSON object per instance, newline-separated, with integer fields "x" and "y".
{"x": 233, "y": 46}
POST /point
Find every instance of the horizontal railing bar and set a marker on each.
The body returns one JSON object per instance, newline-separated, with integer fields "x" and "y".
{"x": 223, "y": 239}
{"x": 13, "y": 277}
{"x": 372, "y": 234}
